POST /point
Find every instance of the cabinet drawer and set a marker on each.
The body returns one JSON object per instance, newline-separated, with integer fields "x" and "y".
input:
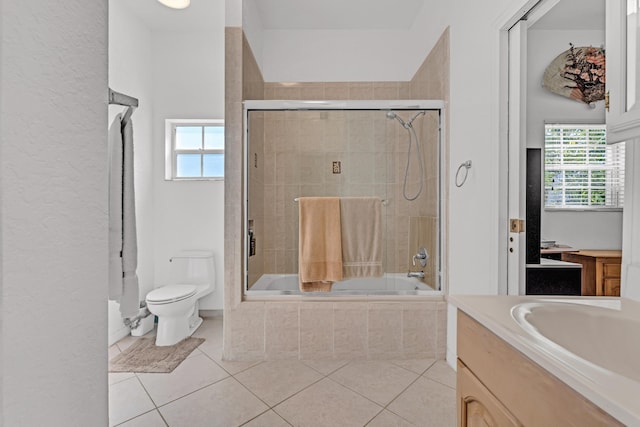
{"x": 611, "y": 270}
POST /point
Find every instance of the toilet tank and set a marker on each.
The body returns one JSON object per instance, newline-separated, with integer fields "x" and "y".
{"x": 193, "y": 268}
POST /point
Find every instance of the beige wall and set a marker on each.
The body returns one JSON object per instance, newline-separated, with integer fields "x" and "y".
{"x": 325, "y": 328}
{"x": 291, "y": 155}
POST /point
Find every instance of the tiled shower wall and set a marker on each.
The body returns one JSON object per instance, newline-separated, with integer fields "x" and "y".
{"x": 300, "y": 328}
{"x": 293, "y": 156}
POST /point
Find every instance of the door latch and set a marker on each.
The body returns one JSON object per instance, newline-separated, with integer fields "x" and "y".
{"x": 516, "y": 225}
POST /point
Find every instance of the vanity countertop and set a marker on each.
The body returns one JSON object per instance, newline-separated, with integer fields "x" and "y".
{"x": 616, "y": 394}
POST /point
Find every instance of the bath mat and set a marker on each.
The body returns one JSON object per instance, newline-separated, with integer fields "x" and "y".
{"x": 145, "y": 356}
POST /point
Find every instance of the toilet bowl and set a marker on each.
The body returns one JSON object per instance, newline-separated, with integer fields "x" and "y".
{"x": 176, "y": 305}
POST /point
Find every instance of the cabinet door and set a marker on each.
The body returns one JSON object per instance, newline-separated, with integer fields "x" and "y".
{"x": 477, "y": 407}
{"x": 612, "y": 287}
{"x": 608, "y": 277}
{"x": 623, "y": 69}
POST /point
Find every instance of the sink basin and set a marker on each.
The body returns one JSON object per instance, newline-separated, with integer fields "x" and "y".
{"x": 579, "y": 332}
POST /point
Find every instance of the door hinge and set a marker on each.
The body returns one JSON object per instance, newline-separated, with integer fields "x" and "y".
{"x": 516, "y": 225}
{"x": 606, "y": 101}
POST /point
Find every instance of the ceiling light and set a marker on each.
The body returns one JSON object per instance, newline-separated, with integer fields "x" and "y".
{"x": 176, "y": 4}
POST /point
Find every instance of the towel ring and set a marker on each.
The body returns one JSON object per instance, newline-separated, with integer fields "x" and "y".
{"x": 467, "y": 166}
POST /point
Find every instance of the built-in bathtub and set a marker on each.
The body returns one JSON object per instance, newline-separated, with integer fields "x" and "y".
{"x": 389, "y": 284}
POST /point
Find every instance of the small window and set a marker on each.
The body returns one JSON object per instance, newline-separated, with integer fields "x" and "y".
{"x": 194, "y": 149}
{"x": 581, "y": 171}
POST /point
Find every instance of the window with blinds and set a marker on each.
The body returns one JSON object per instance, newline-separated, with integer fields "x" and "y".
{"x": 580, "y": 170}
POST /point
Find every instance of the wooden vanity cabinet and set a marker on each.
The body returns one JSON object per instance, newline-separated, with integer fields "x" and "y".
{"x": 499, "y": 386}
{"x": 600, "y": 271}
{"x": 478, "y": 407}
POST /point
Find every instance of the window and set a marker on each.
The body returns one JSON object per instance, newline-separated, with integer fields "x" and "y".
{"x": 580, "y": 170}
{"x": 194, "y": 149}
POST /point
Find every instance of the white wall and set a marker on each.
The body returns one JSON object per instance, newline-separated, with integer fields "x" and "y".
{"x": 188, "y": 82}
{"x": 252, "y": 27}
{"x": 582, "y": 230}
{"x": 54, "y": 213}
{"x": 233, "y": 13}
{"x": 335, "y": 55}
{"x": 339, "y": 55}
{"x": 129, "y": 71}
{"x": 174, "y": 74}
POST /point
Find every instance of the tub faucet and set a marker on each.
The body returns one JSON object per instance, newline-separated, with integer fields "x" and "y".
{"x": 422, "y": 255}
{"x": 418, "y": 274}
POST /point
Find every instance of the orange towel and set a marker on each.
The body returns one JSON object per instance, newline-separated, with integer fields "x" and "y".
{"x": 320, "y": 256}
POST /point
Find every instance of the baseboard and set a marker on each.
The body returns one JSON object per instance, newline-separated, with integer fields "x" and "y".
{"x": 451, "y": 360}
{"x": 211, "y": 313}
{"x": 115, "y": 336}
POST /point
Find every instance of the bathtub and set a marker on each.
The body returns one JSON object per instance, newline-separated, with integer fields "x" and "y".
{"x": 389, "y": 284}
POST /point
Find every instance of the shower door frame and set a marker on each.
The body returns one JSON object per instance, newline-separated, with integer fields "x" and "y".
{"x": 319, "y": 105}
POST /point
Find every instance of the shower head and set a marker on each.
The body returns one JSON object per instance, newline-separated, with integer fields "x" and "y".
{"x": 407, "y": 125}
{"x": 392, "y": 115}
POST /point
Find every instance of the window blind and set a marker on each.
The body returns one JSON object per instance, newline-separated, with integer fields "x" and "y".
{"x": 581, "y": 170}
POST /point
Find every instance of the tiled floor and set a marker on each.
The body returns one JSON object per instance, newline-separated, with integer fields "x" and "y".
{"x": 206, "y": 391}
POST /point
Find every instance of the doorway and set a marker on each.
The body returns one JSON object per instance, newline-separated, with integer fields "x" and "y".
{"x": 533, "y": 41}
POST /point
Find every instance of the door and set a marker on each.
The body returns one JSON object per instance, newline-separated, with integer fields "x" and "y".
{"x": 516, "y": 143}
{"x": 517, "y": 160}
{"x": 623, "y": 66}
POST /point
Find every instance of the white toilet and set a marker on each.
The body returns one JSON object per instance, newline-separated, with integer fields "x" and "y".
{"x": 176, "y": 305}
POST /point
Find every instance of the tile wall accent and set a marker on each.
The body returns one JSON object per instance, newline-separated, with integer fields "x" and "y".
{"x": 258, "y": 330}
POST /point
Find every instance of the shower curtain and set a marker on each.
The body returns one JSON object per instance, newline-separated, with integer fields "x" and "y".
{"x": 123, "y": 247}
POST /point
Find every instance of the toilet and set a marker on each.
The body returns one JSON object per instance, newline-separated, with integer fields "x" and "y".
{"x": 176, "y": 305}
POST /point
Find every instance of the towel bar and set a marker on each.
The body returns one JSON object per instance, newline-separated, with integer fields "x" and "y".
{"x": 385, "y": 202}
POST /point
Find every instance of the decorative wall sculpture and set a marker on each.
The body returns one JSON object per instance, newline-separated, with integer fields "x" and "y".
{"x": 578, "y": 73}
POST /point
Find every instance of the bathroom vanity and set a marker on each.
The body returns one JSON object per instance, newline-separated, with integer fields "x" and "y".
{"x": 521, "y": 362}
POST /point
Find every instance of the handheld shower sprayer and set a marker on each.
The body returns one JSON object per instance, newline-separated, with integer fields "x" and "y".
{"x": 392, "y": 115}
{"x": 407, "y": 125}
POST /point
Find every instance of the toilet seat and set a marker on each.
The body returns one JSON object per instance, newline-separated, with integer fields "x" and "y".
{"x": 170, "y": 293}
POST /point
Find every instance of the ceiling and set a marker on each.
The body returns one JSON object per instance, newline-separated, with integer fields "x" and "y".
{"x": 202, "y": 15}
{"x": 283, "y": 14}
{"x": 339, "y": 14}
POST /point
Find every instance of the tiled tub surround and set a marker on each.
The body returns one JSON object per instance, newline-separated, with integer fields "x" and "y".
{"x": 246, "y": 332}
{"x": 337, "y": 330}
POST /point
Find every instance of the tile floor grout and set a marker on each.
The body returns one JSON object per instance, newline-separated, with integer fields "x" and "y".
{"x": 380, "y": 409}
{"x": 272, "y": 407}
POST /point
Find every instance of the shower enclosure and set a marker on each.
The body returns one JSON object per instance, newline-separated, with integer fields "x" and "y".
{"x": 386, "y": 149}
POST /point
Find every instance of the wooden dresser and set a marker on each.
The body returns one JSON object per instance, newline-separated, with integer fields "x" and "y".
{"x": 600, "y": 271}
